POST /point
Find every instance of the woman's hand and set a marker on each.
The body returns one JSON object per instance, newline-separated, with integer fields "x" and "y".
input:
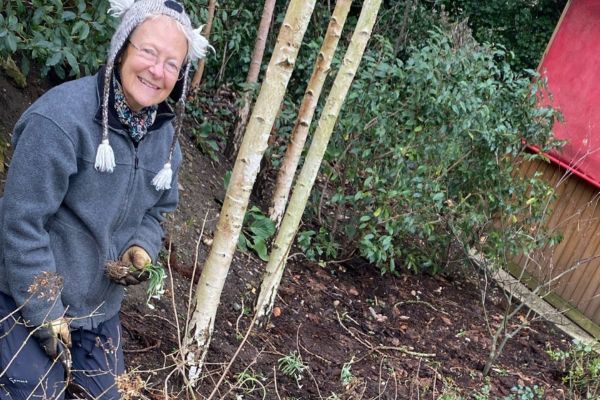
{"x": 139, "y": 259}
{"x": 54, "y": 338}
{"x": 136, "y": 256}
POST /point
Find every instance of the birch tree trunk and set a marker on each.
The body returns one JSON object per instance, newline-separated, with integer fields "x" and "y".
{"x": 252, "y": 77}
{"x": 290, "y": 161}
{"x": 207, "y": 28}
{"x": 242, "y": 178}
{"x": 308, "y": 174}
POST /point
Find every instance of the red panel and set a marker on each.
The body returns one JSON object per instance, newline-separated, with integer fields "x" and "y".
{"x": 572, "y": 65}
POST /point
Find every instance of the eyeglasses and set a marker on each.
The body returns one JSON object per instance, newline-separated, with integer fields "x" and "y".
{"x": 151, "y": 55}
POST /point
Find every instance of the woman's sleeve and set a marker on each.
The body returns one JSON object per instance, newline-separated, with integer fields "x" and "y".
{"x": 38, "y": 178}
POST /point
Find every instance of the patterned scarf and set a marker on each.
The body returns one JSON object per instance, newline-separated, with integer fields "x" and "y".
{"x": 138, "y": 122}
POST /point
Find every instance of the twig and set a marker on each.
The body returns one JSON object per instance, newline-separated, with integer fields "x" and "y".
{"x": 237, "y": 352}
{"x": 405, "y": 350}
{"x": 189, "y": 310}
{"x": 379, "y": 349}
{"x": 395, "y": 384}
{"x": 401, "y": 303}
{"x": 237, "y": 321}
{"x": 161, "y": 318}
{"x": 308, "y": 369}
{"x": 316, "y": 383}
{"x": 254, "y": 381}
{"x": 380, "y": 393}
{"x": 316, "y": 355}
{"x": 154, "y": 346}
{"x": 275, "y": 380}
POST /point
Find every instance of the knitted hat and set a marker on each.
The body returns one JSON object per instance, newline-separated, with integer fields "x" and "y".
{"x": 132, "y": 14}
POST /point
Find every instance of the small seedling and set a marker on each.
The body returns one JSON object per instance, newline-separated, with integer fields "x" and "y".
{"x": 526, "y": 393}
{"x": 346, "y": 375}
{"x": 249, "y": 382}
{"x": 156, "y": 282}
{"x": 156, "y": 277}
{"x": 292, "y": 366}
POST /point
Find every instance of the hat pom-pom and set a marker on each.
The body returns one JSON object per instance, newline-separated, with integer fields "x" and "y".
{"x": 198, "y": 44}
{"x": 105, "y": 157}
{"x": 119, "y": 7}
{"x": 162, "y": 180}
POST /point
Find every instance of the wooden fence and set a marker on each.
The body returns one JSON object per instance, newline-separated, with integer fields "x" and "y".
{"x": 573, "y": 266}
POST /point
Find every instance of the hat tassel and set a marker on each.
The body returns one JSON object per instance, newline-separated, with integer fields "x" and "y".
{"x": 105, "y": 157}
{"x": 163, "y": 179}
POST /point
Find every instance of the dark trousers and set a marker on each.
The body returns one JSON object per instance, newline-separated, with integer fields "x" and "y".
{"x": 25, "y": 369}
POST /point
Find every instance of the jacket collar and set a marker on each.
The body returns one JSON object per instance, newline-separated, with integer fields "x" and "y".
{"x": 164, "y": 113}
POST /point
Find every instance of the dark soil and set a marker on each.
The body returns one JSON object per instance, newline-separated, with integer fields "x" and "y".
{"x": 402, "y": 337}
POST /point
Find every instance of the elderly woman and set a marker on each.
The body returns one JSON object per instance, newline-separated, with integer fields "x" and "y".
{"x": 94, "y": 169}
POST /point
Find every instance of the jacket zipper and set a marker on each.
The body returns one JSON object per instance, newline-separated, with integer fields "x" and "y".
{"x": 121, "y": 217}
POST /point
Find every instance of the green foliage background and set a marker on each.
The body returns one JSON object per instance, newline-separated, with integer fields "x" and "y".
{"x": 427, "y": 144}
{"x": 523, "y": 27}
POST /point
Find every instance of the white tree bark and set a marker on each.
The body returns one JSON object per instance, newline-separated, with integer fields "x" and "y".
{"x": 290, "y": 161}
{"x": 308, "y": 174}
{"x": 243, "y": 176}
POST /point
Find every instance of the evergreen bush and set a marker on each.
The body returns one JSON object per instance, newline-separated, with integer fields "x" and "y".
{"x": 431, "y": 170}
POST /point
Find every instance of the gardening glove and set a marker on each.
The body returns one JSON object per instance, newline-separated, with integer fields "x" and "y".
{"x": 54, "y": 338}
{"x": 138, "y": 258}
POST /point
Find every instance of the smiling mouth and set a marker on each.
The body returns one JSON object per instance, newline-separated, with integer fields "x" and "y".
{"x": 148, "y": 84}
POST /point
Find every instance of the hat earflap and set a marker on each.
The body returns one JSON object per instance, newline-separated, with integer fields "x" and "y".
{"x": 105, "y": 157}
{"x": 162, "y": 180}
{"x": 119, "y": 7}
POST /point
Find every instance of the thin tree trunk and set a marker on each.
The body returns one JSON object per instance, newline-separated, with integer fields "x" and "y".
{"x": 207, "y": 28}
{"x": 242, "y": 178}
{"x": 308, "y": 174}
{"x": 255, "y": 61}
{"x": 401, "y": 39}
{"x": 289, "y": 165}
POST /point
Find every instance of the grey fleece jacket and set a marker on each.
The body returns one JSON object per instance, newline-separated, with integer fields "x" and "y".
{"x": 60, "y": 215}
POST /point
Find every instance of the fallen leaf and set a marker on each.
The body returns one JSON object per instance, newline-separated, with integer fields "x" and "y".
{"x": 446, "y": 320}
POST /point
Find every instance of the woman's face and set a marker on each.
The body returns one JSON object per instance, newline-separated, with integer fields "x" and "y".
{"x": 150, "y": 64}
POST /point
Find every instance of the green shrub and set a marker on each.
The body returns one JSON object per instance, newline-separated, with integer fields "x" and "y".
{"x": 318, "y": 246}
{"x": 429, "y": 150}
{"x": 70, "y": 36}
